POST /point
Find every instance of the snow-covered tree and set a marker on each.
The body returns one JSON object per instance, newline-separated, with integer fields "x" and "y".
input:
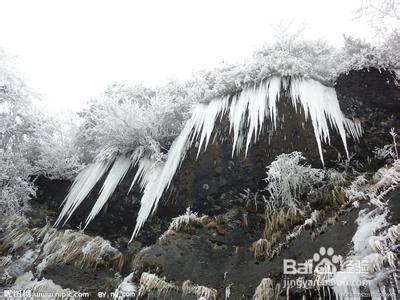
{"x": 288, "y": 179}
{"x": 15, "y": 131}
{"x": 131, "y": 117}
{"x": 382, "y": 15}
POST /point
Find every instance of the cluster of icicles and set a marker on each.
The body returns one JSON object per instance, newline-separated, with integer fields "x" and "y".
{"x": 247, "y": 111}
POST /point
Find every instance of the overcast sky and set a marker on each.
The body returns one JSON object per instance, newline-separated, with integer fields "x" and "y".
{"x": 69, "y": 51}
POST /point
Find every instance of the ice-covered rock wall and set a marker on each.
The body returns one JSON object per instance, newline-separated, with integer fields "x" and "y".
{"x": 248, "y": 113}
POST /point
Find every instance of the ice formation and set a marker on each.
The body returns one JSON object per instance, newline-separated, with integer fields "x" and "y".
{"x": 371, "y": 263}
{"x": 83, "y": 184}
{"x": 114, "y": 177}
{"x": 247, "y": 113}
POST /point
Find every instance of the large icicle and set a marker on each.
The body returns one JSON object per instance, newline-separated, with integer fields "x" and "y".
{"x": 261, "y": 105}
{"x": 200, "y": 124}
{"x": 320, "y": 103}
{"x": 114, "y": 177}
{"x": 83, "y": 184}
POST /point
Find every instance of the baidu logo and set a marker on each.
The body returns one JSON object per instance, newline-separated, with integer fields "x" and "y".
{"x": 322, "y": 262}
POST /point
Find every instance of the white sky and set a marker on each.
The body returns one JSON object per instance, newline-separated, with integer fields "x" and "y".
{"x": 71, "y": 50}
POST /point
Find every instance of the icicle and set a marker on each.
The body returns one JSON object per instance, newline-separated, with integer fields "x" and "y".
{"x": 320, "y": 103}
{"x": 83, "y": 184}
{"x": 237, "y": 111}
{"x": 142, "y": 176}
{"x": 159, "y": 178}
{"x": 114, "y": 177}
{"x": 207, "y": 121}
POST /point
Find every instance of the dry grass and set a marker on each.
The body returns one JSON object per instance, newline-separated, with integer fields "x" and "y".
{"x": 266, "y": 290}
{"x": 61, "y": 247}
{"x": 17, "y": 238}
{"x": 331, "y": 196}
{"x": 262, "y": 249}
{"x": 268, "y": 248}
{"x": 152, "y": 284}
{"x": 17, "y": 234}
{"x": 190, "y": 222}
{"x": 282, "y": 220}
{"x": 201, "y": 292}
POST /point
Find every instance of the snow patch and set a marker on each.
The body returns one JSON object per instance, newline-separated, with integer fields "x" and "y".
{"x": 127, "y": 288}
{"x": 27, "y": 282}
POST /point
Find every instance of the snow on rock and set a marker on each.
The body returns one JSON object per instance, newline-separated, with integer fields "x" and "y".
{"x": 17, "y": 267}
{"x": 43, "y": 288}
{"x": 127, "y": 288}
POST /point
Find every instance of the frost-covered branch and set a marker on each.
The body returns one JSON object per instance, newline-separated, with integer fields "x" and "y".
{"x": 287, "y": 180}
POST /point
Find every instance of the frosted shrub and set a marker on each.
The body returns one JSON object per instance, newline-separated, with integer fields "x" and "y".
{"x": 385, "y": 152}
{"x": 15, "y": 185}
{"x": 358, "y": 55}
{"x": 15, "y": 130}
{"x": 54, "y": 151}
{"x": 287, "y": 179}
{"x": 294, "y": 56}
{"x": 127, "y": 118}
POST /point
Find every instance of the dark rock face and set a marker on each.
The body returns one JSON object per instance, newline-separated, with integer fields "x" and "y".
{"x": 211, "y": 183}
{"x": 217, "y": 261}
{"x": 374, "y": 98}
